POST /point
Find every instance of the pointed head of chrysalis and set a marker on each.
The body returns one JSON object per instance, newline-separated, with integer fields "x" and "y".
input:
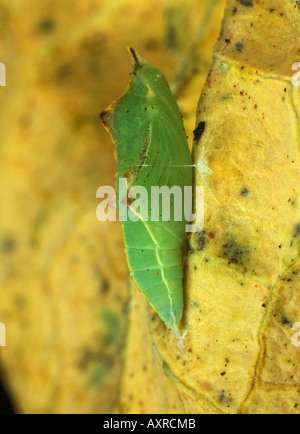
{"x": 132, "y": 112}
{"x": 147, "y": 73}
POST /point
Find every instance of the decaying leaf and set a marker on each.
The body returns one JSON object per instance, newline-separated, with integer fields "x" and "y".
{"x": 63, "y": 291}
{"x": 243, "y": 270}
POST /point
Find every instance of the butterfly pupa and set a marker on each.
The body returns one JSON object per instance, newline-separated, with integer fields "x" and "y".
{"x": 151, "y": 149}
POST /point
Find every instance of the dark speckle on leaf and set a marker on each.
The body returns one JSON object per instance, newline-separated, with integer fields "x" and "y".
{"x": 8, "y": 245}
{"x": 199, "y": 131}
{"x": 111, "y": 326}
{"x": 285, "y": 320}
{"x": 222, "y": 397}
{"x": 63, "y": 72}
{"x": 236, "y": 253}
{"x": 201, "y": 241}
{"x": 248, "y": 3}
{"x": 197, "y": 242}
{"x": 296, "y": 231}
{"x": 46, "y": 26}
{"x": 172, "y": 35}
{"x": 105, "y": 286}
{"x": 239, "y": 46}
{"x": 244, "y": 192}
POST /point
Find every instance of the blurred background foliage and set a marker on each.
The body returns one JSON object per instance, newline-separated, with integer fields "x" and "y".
{"x": 63, "y": 276}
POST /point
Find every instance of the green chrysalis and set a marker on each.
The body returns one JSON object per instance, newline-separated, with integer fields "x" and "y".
{"x": 151, "y": 149}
